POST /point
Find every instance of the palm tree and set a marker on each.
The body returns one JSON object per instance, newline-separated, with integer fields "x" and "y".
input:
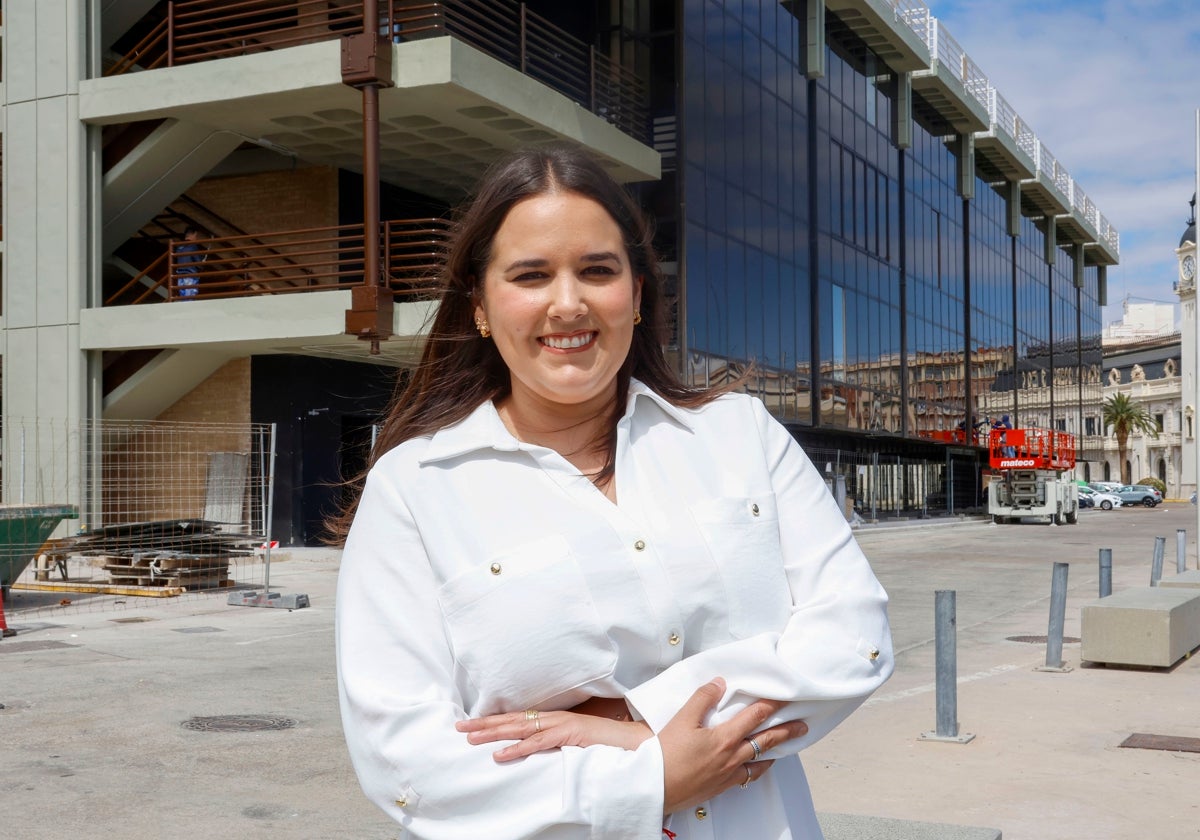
{"x": 1125, "y": 416}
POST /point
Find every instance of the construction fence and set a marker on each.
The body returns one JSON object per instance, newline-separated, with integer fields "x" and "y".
{"x": 137, "y": 508}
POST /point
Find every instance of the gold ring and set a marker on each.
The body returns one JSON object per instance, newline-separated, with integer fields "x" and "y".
{"x": 531, "y": 714}
{"x": 749, "y": 778}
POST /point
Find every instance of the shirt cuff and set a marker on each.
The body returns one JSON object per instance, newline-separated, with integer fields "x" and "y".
{"x": 628, "y": 802}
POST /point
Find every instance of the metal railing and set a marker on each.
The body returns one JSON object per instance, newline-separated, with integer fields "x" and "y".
{"x": 318, "y": 259}
{"x": 1109, "y": 234}
{"x": 284, "y": 262}
{"x": 944, "y": 49}
{"x": 203, "y": 30}
{"x": 915, "y": 15}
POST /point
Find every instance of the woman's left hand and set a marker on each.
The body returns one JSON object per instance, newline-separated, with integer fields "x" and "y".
{"x": 543, "y": 731}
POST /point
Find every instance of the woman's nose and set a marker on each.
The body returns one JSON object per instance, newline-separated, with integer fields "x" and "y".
{"x": 567, "y": 298}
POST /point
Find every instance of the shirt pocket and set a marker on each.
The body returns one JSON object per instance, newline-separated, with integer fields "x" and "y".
{"x": 524, "y": 627}
{"x": 742, "y": 535}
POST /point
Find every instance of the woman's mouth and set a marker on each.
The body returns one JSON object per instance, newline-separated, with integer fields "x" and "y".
{"x": 568, "y": 342}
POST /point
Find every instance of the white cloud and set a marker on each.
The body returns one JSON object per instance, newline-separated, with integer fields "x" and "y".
{"x": 1111, "y": 89}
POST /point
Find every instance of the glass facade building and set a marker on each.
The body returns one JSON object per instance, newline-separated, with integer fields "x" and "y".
{"x": 886, "y": 307}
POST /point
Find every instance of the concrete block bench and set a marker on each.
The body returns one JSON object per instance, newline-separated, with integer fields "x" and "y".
{"x": 852, "y": 827}
{"x": 1185, "y": 580}
{"x": 1150, "y": 626}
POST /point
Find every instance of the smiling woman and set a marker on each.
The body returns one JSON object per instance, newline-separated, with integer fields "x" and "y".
{"x": 578, "y": 599}
{"x": 560, "y": 301}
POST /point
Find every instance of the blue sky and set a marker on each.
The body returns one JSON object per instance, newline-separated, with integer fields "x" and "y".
{"x": 1111, "y": 87}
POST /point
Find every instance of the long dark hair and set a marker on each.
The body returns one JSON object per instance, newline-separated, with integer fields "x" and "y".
{"x": 459, "y": 369}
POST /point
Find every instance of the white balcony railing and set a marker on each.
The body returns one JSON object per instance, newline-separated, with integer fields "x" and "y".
{"x": 944, "y": 49}
{"x": 915, "y": 15}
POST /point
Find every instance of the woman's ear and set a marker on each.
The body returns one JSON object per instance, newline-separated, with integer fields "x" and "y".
{"x": 637, "y": 291}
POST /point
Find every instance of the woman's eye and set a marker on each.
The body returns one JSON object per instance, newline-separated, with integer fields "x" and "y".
{"x": 599, "y": 269}
{"x": 529, "y": 275}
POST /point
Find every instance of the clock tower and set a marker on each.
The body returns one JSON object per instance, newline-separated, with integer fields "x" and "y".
{"x": 1185, "y": 286}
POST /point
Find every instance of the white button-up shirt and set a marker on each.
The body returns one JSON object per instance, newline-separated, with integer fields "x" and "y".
{"x": 486, "y": 575}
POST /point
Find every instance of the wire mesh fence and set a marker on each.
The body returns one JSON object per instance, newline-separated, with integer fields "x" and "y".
{"x": 134, "y": 508}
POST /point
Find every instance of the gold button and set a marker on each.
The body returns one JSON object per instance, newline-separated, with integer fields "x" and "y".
{"x": 754, "y": 509}
{"x": 701, "y": 813}
{"x": 640, "y": 545}
{"x": 496, "y": 568}
{"x": 673, "y": 639}
{"x": 402, "y": 802}
{"x": 873, "y": 653}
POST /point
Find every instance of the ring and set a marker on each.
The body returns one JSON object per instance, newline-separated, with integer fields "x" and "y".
{"x": 754, "y": 746}
{"x": 531, "y": 714}
{"x": 749, "y": 778}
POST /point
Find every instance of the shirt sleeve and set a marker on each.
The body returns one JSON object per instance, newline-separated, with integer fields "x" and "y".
{"x": 399, "y": 703}
{"x": 835, "y": 648}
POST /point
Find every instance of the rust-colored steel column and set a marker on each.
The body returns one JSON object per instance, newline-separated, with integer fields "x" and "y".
{"x": 367, "y": 65}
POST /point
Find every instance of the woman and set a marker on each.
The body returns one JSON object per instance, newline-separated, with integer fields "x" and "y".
{"x": 579, "y": 600}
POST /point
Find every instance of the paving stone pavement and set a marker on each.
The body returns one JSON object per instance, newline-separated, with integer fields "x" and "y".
{"x": 95, "y": 696}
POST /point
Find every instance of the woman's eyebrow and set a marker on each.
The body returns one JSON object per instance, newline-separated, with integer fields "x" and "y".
{"x": 538, "y": 262}
{"x": 533, "y": 262}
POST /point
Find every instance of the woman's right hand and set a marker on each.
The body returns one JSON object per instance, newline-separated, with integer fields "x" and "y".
{"x": 700, "y": 762}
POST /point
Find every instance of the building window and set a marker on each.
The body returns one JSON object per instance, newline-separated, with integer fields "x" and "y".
{"x": 1089, "y": 425}
{"x": 1158, "y": 422}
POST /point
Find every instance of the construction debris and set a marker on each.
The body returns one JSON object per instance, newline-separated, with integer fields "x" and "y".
{"x": 189, "y": 553}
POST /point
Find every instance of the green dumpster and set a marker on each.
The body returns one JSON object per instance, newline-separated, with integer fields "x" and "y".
{"x": 23, "y": 530}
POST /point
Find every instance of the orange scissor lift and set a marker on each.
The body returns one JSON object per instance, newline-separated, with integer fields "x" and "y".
{"x": 1032, "y": 475}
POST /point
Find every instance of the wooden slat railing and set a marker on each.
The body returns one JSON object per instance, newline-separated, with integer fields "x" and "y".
{"x": 204, "y": 30}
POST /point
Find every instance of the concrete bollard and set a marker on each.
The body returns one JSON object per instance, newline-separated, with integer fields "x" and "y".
{"x": 1058, "y": 614}
{"x": 1156, "y": 565}
{"x": 1180, "y": 551}
{"x": 946, "y": 670}
{"x": 1105, "y": 572}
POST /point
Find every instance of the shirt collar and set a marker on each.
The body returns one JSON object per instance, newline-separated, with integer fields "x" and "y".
{"x": 483, "y": 428}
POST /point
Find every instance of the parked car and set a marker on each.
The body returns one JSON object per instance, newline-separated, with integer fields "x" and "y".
{"x": 1086, "y": 500}
{"x": 1157, "y": 493}
{"x": 1105, "y": 486}
{"x": 1104, "y": 501}
{"x": 1138, "y": 494}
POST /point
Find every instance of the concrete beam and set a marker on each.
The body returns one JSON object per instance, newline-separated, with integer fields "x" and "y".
{"x": 1012, "y": 203}
{"x": 1051, "y": 241}
{"x": 902, "y": 112}
{"x": 812, "y": 33}
{"x": 965, "y": 153}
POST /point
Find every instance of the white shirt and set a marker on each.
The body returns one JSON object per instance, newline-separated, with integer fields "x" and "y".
{"x": 486, "y": 575}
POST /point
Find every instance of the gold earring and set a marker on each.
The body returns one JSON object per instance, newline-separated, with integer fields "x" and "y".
{"x": 481, "y": 324}
{"x": 637, "y": 317}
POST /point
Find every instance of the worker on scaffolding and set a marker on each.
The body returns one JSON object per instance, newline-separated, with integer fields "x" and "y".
{"x": 1001, "y": 426}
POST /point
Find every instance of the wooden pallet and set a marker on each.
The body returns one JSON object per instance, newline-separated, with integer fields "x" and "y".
{"x": 189, "y": 582}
